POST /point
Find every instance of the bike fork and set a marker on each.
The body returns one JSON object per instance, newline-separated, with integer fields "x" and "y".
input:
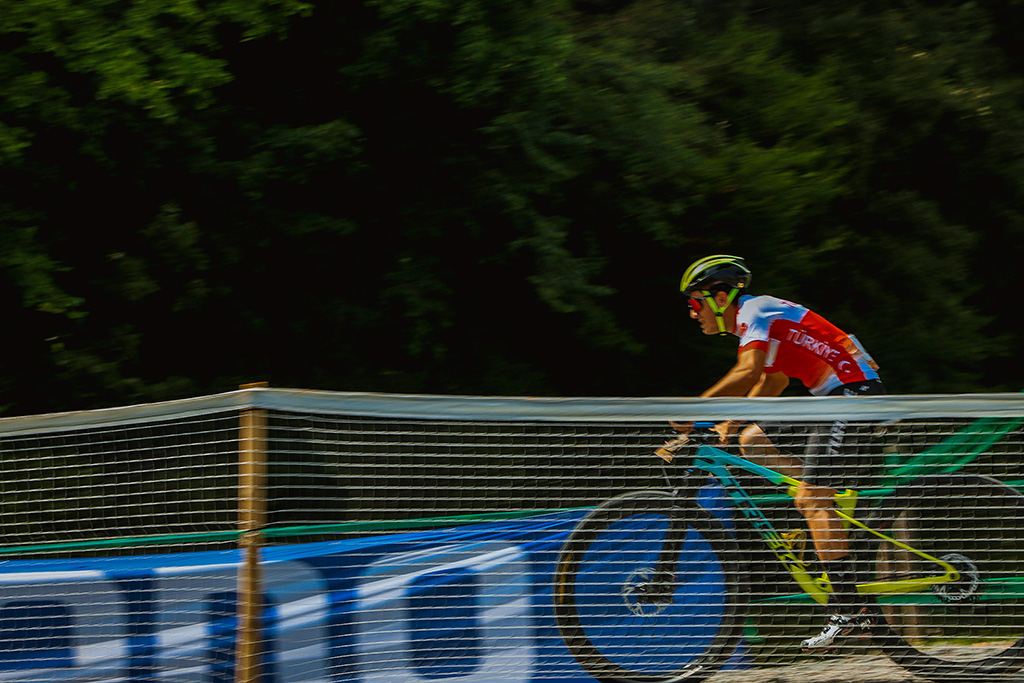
{"x": 662, "y": 582}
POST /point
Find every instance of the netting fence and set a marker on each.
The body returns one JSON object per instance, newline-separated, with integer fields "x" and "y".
{"x": 288, "y": 535}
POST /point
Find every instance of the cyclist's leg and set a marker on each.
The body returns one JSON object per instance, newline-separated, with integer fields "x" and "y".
{"x": 831, "y": 543}
{"x": 773, "y": 445}
{"x": 831, "y": 465}
{"x": 817, "y": 505}
{"x": 835, "y": 459}
{"x": 756, "y": 446}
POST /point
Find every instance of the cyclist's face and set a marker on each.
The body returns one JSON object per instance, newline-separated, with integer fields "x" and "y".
{"x": 702, "y": 312}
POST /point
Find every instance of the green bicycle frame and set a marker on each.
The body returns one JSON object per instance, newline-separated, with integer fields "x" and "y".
{"x": 717, "y": 462}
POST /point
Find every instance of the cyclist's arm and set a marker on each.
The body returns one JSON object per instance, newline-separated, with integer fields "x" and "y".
{"x": 750, "y": 361}
{"x": 746, "y": 378}
{"x": 770, "y": 385}
{"x": 743, "y": 377}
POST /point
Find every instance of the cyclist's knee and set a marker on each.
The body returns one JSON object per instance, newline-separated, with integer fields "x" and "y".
{"x": 751, "y": 439}
{"x": 811, "y": 499}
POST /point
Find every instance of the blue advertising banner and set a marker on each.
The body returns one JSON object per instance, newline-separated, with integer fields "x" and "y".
{"x": 469, "y": 604}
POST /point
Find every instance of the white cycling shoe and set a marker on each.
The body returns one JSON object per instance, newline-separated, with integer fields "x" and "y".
{"x": 836, "y": 627}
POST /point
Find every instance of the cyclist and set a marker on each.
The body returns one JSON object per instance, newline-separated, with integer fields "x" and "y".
{"x": 780, "y": 340}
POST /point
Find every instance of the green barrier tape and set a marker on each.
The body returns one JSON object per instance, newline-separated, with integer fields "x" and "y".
{"x": 121, "y": 542}
{"x": 992, "y": 589}
{"x": 866, "y": 493}
{"x": 424, "y": 523}
{"x": 950, "y": 454}
{"x": 347, "y": 527}
{"x": 352, "y": 527}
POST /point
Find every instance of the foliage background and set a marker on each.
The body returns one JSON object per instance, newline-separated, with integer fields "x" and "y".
{"x": 497, "y": 196}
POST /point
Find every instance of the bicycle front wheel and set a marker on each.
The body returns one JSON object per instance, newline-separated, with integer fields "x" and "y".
{"x": 626, "y": 621}
{"x": 971, "y": 629}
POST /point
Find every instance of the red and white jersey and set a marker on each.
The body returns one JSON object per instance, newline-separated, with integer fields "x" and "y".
{"x": 800, "y": 343}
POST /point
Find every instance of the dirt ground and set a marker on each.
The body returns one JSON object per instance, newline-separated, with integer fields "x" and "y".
{"x": 869, "y": 667}
{"x": 863, "y": 669}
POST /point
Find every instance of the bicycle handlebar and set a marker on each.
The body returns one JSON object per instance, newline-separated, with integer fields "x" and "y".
{"x": 701, "y": 434}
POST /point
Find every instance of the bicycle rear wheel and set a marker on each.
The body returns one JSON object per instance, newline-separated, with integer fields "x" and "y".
{"x": 623, "y": 623}
{"x": 971, "y": 629}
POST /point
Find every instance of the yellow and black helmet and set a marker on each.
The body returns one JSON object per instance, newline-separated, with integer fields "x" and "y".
{"x": 717, "y": 269}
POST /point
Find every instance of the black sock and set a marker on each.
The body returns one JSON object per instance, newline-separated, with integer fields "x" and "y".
{"x": 843, "y": 578}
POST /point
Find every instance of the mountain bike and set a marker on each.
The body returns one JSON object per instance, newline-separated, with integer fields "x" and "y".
{"x": 651, "y": 587}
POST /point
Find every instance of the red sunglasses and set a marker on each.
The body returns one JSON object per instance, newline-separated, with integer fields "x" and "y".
{"x": 696, "y": 303}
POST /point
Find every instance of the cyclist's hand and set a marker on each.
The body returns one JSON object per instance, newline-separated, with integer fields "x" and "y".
{"x": 682, "y": 427}
{"x": 726, "y": 430}
{"x": 672, "y": 446}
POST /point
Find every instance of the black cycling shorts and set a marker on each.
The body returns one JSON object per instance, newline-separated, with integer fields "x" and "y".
{"x": 840, "y": 454}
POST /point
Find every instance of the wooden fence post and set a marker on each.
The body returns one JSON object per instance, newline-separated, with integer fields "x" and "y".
{"x": 252, "y": 517}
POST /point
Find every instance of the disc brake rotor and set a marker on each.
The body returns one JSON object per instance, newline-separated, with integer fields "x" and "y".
{"x": 643, "y": 596}
{"x": 963, "y": 589}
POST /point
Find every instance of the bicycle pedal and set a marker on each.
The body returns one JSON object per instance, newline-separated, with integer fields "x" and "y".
{"x": 796, "y": 539}
{"x": 794, "y": 536}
